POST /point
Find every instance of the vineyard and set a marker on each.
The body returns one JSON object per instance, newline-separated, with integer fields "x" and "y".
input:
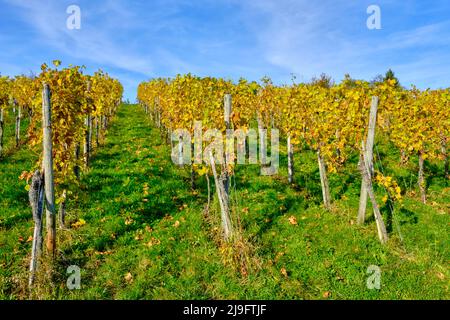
{"x": 328, "y": 180}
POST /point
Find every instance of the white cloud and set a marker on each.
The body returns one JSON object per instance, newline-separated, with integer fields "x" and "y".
{"x": 309, "y": 37}
{"x": 94, "y": 43}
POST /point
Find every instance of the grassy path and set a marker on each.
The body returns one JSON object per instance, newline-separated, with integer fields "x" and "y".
{"x": 145, "y": 235}
{"x": 143, "y": 224}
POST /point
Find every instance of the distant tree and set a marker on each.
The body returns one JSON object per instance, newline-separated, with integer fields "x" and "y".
{"x": 389, "y": 75}
{"x": 349, "y": 81}
{"x": 323, "y": 81}
{"x": 377, "y": 80}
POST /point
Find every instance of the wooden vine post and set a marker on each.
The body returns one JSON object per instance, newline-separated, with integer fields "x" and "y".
{"x": 104, "y": 122}
{"x": 49, "y": 199}
{"x": 446, "y": 157}
{"x": 369, "y": 158}
{"x": 367, "y": 180}
{"x": 18, "y": 117}
{"x": 324, "y": 181}
{"x": 227, "y": 104}
{"x": 36, "y": 197}
{"x": 421, "y": 181}
{"x": 97, "y": 132}
{"x": 224, "y": 207}
{"x": 62, "y": 210}
{"x": 87, "y": 140}
{"x": 87, "y": 134}
{"x": 1, "y": 130}
{"x": 290, "y": 154}
{"x": 223, "y": 182}
{"x": 76, "y": 169}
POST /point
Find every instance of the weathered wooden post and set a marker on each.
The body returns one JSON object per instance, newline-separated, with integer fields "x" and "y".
{"x": 36, "y": 197}
{"x": 87, "y": 140}
{"x": 421, "y": 180}
{"x": 446, "y": 157}
{"x": 103, "y": 122}
{"x": 76, "y": 169}
{"x": 224, "y": 208}
{"x": 97, "y": 132}
{"x": 324, "y": 181}
{"x": 1, "y": 131}
{"x": 18, "y": 117}
{"x": 369, "y": 158}
{"x": 48, "y": 172}
{"x": 227, "y": 106}
{"x": 290, "y": 154}
{"x": 62, "y": 210}
{"x": 367, "y": 180}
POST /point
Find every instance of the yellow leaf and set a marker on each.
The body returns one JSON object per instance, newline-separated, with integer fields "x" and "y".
{"x": 79, "y": 223}
{"x": 128, "y": 277}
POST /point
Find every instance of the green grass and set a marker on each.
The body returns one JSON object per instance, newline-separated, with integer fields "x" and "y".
{"x": 147, "y": 234}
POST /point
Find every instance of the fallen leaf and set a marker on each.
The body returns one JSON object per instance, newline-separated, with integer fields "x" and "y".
{"x": 153, "y": 242}
{"x": 326, "y": 294}
{"x": 284, "y": 272}
{"x": 79, "y": 223}
{"x": 440, "y": 275}
{"x": 293, "y": 220}
{"x": 128, "y": 277}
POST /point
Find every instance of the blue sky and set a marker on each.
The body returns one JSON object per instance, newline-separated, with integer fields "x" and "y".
{"x": 137, "y": 40}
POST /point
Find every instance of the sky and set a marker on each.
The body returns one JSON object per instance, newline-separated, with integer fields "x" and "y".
{"x": 135, "y": 41}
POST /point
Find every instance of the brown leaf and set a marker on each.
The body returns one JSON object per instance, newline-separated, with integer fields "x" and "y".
{"x": 326, "y": 294}
{"x": 284, "y": 272}
{"x": 293, "y": 220}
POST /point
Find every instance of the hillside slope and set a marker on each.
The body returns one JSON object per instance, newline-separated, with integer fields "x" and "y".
{"x": 142, "y": 233}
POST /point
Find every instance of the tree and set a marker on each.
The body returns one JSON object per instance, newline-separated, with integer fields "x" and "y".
{"x": 390, "y": 75}
{"x": 324, "y": 81}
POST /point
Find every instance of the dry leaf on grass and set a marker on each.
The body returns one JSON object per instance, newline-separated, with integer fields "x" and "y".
{"x": 293, "y": 220}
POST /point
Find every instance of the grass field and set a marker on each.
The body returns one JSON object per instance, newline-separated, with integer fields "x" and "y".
{"x": 147, "y": 235}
